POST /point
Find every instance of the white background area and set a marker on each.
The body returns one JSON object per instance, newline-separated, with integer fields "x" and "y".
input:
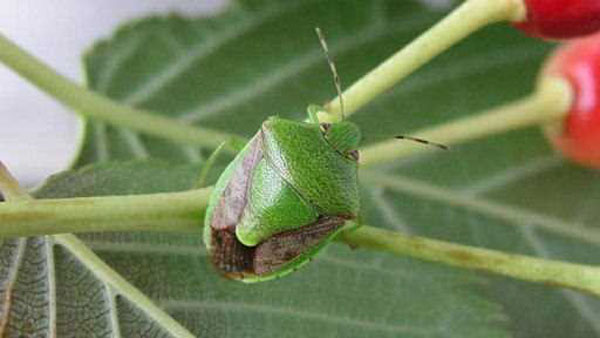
{"x": 38, "y": 135}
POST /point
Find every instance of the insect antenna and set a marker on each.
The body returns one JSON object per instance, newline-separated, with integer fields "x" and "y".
{"x": 420, "y": 140}
{"x": 336, "y": 78}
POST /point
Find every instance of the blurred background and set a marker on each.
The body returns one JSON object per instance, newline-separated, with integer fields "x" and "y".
{"x": 37, "y": 135}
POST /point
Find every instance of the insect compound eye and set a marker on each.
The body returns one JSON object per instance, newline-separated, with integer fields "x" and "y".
{"x": 325, "y": 127}
{"x": 353, "y": 154}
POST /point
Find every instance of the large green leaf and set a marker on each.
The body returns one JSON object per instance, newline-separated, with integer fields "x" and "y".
{"x": 344, "y": 293}
{"x": 261, "y": 58}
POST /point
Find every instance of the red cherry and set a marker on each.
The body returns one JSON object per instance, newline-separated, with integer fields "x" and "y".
{"x": 561, "y": 19}
{"x": 578, "y": 136}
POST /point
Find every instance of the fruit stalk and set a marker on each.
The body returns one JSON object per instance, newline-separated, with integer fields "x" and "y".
{"x": 183, "y": 211}
{"x": 22, "y": 215}
{"x": 9, "y": 187}
{"x": 93, "y": 105}
{"x": 466, "y": 19}
{"x": 579, "y": 277}
{"x": 550, "y": 103}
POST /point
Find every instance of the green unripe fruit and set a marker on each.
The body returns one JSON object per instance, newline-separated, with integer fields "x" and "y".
{"x": 286, "y": 194}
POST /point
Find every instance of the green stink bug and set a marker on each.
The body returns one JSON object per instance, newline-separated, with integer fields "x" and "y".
{"x": 286, "y": 195}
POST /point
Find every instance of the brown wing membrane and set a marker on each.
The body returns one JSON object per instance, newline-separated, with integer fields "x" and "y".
{"x": 285, "y": 246}
{"x": 229, "y": 255}
{"x": 236, "y": 260}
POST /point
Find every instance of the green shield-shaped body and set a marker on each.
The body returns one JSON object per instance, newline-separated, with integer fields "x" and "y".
{"x": 283, "y": 197}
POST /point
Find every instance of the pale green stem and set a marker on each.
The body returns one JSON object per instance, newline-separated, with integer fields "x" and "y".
{"x": 466, "y": 19}
{"x": 207, "y": 166}
{"x": 9, "y": 187}
{"x": 549, "y": 104}
{"x": 179, "y": 211}
{"x": 184, "y": 211}
{"x": 549, "y": 272}
{"x": 96, "y": 106}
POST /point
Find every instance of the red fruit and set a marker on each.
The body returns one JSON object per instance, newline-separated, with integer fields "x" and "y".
{"x": 561, "y": 19}
{"x": 578, "y": 136}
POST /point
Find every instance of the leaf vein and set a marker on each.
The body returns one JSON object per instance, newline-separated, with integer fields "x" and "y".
{"x": 101, "y": 148}
{"x": 202, "y": 50}
{"x": 9, "y": 284}
{"x": 291, "y": 312}
{"x": 116, "y": 61}
{"x": 113, "y": 311}
{"x": 188, "y": 250}
{"x": 240, "y": 95}
{"x": 513, "y": 174}
{"x": 508, "y": 213}
{"x": 134, "y": 143}
{"x": 50, "y": 272}
{"x": 578, "y": 301}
